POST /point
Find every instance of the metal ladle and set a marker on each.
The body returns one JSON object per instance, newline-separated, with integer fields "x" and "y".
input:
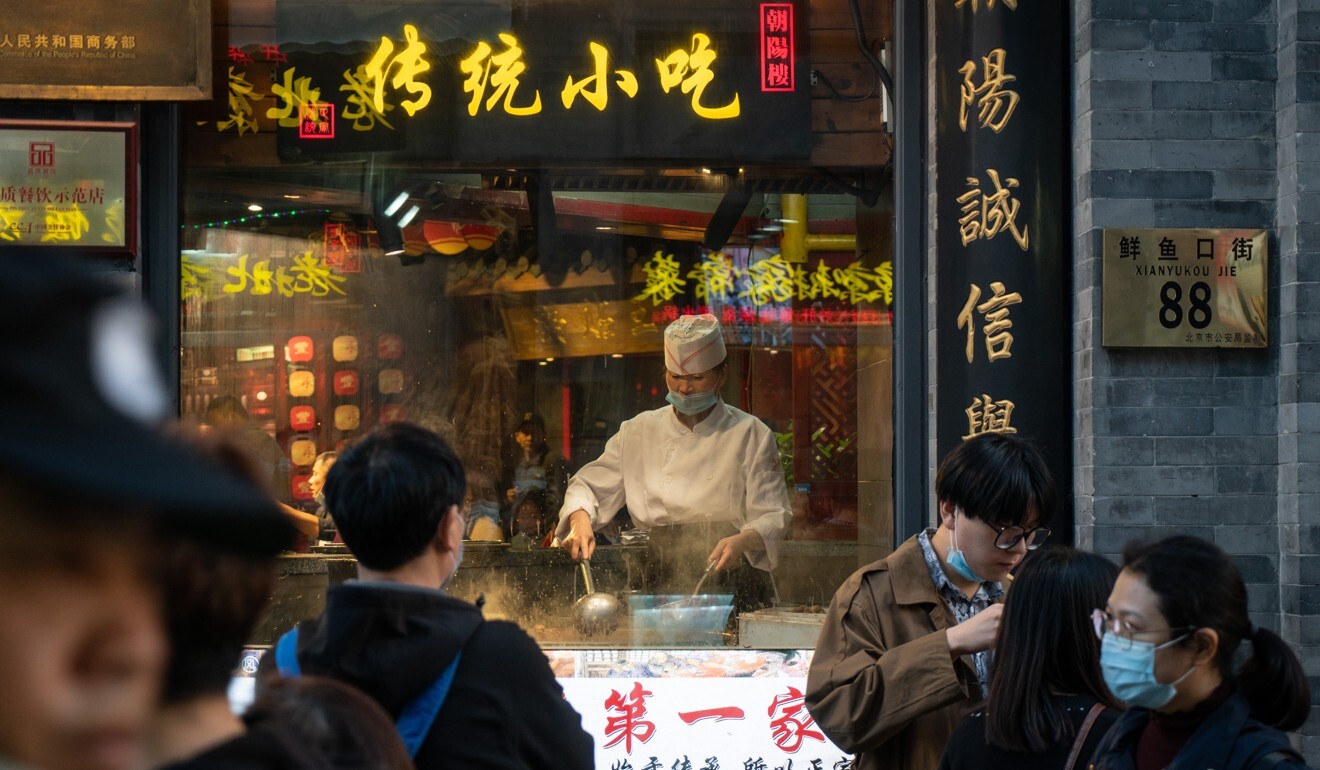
{"x": 595, "y": 613}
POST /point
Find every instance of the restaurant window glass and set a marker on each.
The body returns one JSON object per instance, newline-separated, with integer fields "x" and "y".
{"x": 335, "y": 278}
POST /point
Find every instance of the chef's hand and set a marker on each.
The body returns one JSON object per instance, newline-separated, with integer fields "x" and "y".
{"x": 977, "y": 633}
{"x": 730, "y": 549}
{"x": 580, "y": 540}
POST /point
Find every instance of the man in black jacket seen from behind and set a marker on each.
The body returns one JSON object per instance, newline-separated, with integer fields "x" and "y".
{"x": 393, "y": 633}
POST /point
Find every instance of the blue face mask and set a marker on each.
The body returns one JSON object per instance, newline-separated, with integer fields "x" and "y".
{"x": 693, "y": 404}
{"x": 956, "y": 558}
{"x": 1128, "y": 666}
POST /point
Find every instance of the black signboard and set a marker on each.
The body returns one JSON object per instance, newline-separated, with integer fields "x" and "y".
{"x": 478, "y": 82}
{"x": 1004, "y": 322}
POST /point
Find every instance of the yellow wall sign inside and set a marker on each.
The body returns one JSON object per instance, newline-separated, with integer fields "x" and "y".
{"x": 68, "y": 184}
{"x": 1185, "y": 288}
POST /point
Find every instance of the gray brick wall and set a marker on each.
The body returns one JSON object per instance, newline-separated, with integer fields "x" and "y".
{"x": 1201, "y": 113}
{"x": 1298, "y": 136}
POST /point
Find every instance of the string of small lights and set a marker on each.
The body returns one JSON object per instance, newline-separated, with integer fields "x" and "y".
{"x": 257, "y": 218}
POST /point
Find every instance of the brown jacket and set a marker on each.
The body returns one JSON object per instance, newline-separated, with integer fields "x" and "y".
{"x": 882, "y": 684}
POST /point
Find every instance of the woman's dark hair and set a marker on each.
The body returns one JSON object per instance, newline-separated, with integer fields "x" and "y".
{"x": 997, "y": 478}
{"x": 1046, "y": 648}
{"x": 1197, "y": 585}
{"x": 389, "y": 492}
{"x": 337, "y": 722}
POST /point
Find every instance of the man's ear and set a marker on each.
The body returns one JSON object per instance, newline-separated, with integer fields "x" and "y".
{"x": 947, "y": 514}
{"x": 449, "y": 534}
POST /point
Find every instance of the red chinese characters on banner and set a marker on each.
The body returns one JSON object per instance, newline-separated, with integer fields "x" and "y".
{"x": 629, "y": 722}
{"x": 793, "y": 724}
{"x": 302, "y": 418}
{"x": 718, "y": 714}
{"x": 316, "y": 120}
{"x": 391, "y": 413}
{"x": 777, "y": 61}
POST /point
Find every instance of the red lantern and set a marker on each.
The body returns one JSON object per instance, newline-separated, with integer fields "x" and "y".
{"x": 444, "y": 237}
{"x": 391, "y": 413}
{"x": 480, "y": 237}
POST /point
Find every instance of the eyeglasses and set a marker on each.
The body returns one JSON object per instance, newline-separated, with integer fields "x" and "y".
{"x": 1008, "y": 537}
{"x": 1102, "y": 621}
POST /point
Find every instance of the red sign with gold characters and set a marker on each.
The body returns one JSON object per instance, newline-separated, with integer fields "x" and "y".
{"x": 777, "y": 58}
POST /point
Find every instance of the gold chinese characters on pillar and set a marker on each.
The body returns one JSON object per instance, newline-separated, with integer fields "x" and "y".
{"x": 1185, "y": 288}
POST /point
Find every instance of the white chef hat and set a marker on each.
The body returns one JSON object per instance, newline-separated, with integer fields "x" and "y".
{"x": 693, "y": 344}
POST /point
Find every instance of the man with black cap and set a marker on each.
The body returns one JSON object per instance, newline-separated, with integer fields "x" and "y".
{"x": 86, "y": 485}
{"x": 702, "y": 477}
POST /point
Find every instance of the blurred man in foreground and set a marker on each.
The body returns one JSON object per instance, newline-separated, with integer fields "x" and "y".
{"x": 86, "y": 486}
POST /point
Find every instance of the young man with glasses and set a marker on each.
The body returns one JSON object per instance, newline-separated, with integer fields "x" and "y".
{"x": 906, "y": 646}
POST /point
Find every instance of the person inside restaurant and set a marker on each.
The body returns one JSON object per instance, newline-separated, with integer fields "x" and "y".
{"x": 534, "y": 475}
{"x": 702, "y": 477}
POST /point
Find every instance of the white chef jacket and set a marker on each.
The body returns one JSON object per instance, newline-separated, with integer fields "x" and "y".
{"x": 727, "y": 468}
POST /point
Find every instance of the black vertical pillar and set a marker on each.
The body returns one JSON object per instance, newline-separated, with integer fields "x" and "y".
{"x": 160, "y": 203}
{"x": 1004, "y": 320}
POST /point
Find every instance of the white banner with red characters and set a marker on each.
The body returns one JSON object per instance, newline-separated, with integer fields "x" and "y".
{"x": 721, "y": 723}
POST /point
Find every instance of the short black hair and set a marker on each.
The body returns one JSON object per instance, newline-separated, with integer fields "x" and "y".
{"x": 389, "y": 492}
{"x": 997, "y": 478}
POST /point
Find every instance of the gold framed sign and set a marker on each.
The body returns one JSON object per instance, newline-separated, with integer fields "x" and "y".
{"x": 1170, "y": 288}
{"x": 126, "y": 50}
{"x": 69, "y": 184}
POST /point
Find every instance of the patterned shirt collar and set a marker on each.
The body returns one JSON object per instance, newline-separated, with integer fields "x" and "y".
{"x": 986, "y": 595}
{"x": 962, "y": 607}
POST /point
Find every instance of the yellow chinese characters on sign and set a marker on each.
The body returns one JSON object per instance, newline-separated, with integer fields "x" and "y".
{"x": 766, "y": 281}
{"x": 989, "y": 4}
{"x": 294, "y": 94}
{"x": 595, "y": 87}
{"x": 503, "y": 82}
{"x": 691, "y": 70}
{"x": 360, "y": 103}
{"x": 994, "y": 103}
{"x": 308, "y": 275}
{"x": 409, "y": 63}
{"x": 241, "y": 96}
{"x": 986, "y": 415}
{"x": 996, "y": 323}
{"x": 985, "y": 215}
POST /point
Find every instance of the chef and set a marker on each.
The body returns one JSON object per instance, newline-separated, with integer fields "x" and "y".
{"x": 703, "y": 477}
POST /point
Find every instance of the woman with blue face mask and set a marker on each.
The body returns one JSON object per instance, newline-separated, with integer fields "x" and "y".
{"x": 702, "y": 477}
{"x": 1168, "y": 635}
